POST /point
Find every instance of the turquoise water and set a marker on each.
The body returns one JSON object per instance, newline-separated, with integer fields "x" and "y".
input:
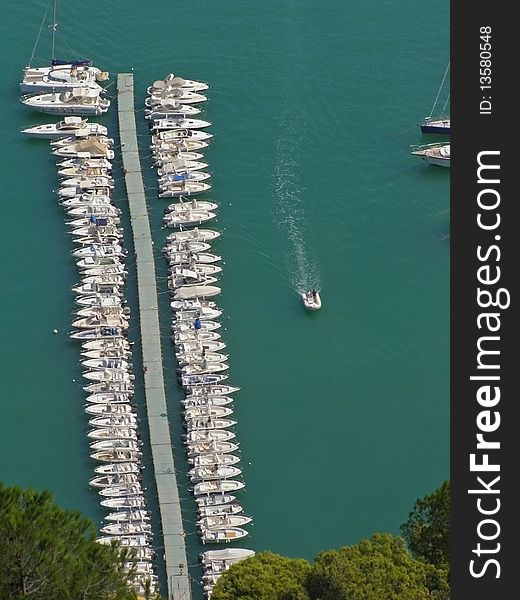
{"x": 343, "y": 414}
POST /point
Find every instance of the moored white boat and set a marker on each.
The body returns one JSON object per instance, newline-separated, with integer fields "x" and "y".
{"x": 118, "y": 468}
{"x": 116, "y": 456}
{"x": 213, "y": 458}
{"x": 205, "y": 446}
{"x": 172, "y": 80}
{"x": 174, "y": 93}
{"x": 225, "y": 534}
{"x": 188, "y": 217}
{"x": 208, "y": 473}
{"x": 223, "y": 520}
{"x": 70, "y": 126}
{"x": 101, "y": 481}
{"x": 436, "y": 154}
{"x": 78, "y": 101}
{"x": 225, "y": 555}
{"x": 220, "y": 509}
{"x": 214, "y": 499}
{"x": 128, "y": 515}
{"x": 208, "y": 435}
{"x": 181, "y": 123}
{"x": 127, "y": 528}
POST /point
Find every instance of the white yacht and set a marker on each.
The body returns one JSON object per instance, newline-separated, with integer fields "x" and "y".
{"x": 435, "y": 154}
{"x": 69, "y": 127}
{"x": 58, "y": 78}
{"x": 78, "y": 101}
{"x": 172, "y": 80}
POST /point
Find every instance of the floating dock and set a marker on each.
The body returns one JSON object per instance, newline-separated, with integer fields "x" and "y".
{"x": 178, "y": 581}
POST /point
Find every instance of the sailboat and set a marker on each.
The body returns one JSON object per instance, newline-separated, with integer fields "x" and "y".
{"x": 437, "y": 125}
{"x": 61, "y": 75}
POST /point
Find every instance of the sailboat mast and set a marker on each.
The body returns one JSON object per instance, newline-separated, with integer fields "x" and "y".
{"x": 439, "y": 92}
{"x": 54, "y": 25}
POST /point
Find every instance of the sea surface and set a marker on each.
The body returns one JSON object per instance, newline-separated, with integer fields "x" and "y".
{"x": 343, "y": 416}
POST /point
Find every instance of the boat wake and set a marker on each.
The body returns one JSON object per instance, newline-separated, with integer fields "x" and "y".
{"x": 289, "y": 211}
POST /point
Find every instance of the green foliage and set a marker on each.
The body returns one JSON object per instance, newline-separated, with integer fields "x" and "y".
{"x": 427, "y": 531}
{"x": 378, "y": 568}
{"x": 48, "y": 553}
{"x": 266, "y": 576}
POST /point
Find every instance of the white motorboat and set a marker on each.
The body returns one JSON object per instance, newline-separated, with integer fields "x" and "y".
{"x": 208, "y": 411}
{"x": 190, "y": 258}
{"x": 125, "y": 541}
{"x": 225, "y": 534}
{"x": 181, "y": 123}
{"x": 88, "y": 182}
{"x": 208, "y": 423}
{"x": 86, "y": 201}
{"x": 126, "y": 528}
{"x": 196, "y": 336}
{"x": 206, "y": 402}
{"x": 188, "y": 246}
{"x": 108, "y": 279}
{"x": 89, "y": 262}
{"x": 214, "y": 499}
{"x": 220, "y": 509}
{"x": 126, "y": 387}
{"x": 311, "y": 300}
{"x": 70, "y": 126}
{"x": 128, "y": 503}
{"x": 180, "y": 156}
{"x": 225, "y": 555}
{"x": 116, "y": 456}
{"x": 204, "y": 379}
{"x": 85, "y": 171}
{"x": 128, "y": 515}
{"x": 190, "y": 358}
{"x": 113, "y": 433}
{"x": 97, "y": 333}
{"x": 191, "y": 205}
{"x": 100, "y": 321}
{"x": 435, "y": 154}
{"x": 169, "y": 105}
{"x": 186, "y": 347}
{"x": 204, "y": 367}
{"x": 116, "y": 491}
{"x": 212, "y": 390}
{"x": 85, "y": 212}
{"x": 118, "y": 469}
{"x": 107, "y": 344}
{"x": 174, "y": 93}
{"x": 175, "y": 189}
{"x": 109, "y": 375}
{"x": 89, "y": 163}
{"x": 225, "y": 520}
{"x": 140, "y": 567}
{"x": 157, "y": 112}
{"x": 103, "y": 288}
{"x": 67, "y": 141}
{"x": 191, "y": 309}
{"x": 195, "y": 304}
{"x": 217, "y": 487}
{"x": 87, "y": 148}
{"x": 102, "y": 481}
{"x": 100, "y": 250}
{"x": 194, "y": 270}
{"x": 203, "y": 447}
{"x": 59, "y": 77}
{"x": 180, "y": 165}
{"x": 80, "y": 190}
{"x": 120, "y": 444}
{"x": 172, "y": 80}
{"x": 111, "y": 409}
{"x": 188, "y": 217}
{"x": 92, "y": 233}
{"x": 78, "y": 101}
{"x": 109, "y": 353}
{"x": 208, "y": 435}
{"x": 196, "y": 291}
{"x": 196, "y": 234}
{"x": 182, "y": 176}
{"x": 213, "y": 458}
{"x": 207, "y": 473}
{"x": 106, "y": 363}
{"x": 172, "y": 147}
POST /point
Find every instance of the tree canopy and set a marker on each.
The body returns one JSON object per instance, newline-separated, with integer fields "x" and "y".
{"x": 266, "y": 576}
{"x": 48, "y": 553}
{"x": 379, "y": 568}
{"x": 427, "y": 531}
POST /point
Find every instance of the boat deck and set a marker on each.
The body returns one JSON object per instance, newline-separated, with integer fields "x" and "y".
{"x": 162, "y": 452}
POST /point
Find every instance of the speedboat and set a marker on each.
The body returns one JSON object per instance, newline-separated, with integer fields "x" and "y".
{"x": 116, "y": 491}
{"x": 111, "y": 409}
{"x": 70, "y": 126}
{"x": 174, "y": 93}
{"x": 225, "y": 555}
{"x": 196, "y": 345}
{"x": 188, "y": 246}
{"x": 204, "y": 367}
{"x": 86, "y": 186}
{"x": 188, "y": 217}
{"x": 105, "y": 363}
{"x": 85, "y": 200}
{"x": 66, "y": 141}
{"x": 212, "y": 459}
{"x": 180, "y": 165}
{"x": 202, "y": 235}
{"x": 95, "y": 321}
{"x": 187, "y": 358}
{"x": 126, "y": 387}
{"x": 88, "y": 182}
{"x": 85, "y": 171}
{"x": 225, "y": 520}
{"x": 208, "y": 423}
{"x": 172, "y": 80}
{"x": 115, "y": 445}
{"x": 130, "y": 502}
{"x": 206, "y": 313}
{"x": 190, "y": 258}
{"x": 220, "y": 509}
{"x": 107, "y": 354}
{"x": 205, "y": 402}
{"x": 183, "y": 187}
{"x": 196, "y": 291}
{"x": 79, "y": 163}
{"x": 203, "y": 447}
{"x": 109, "y": 375}
{"x": 196, "y": 336}
{"x": 88, "y": 148}
{"x": 182, "y": 124}
{"x": 98, "y": 333}
{"x": 435, "y": 154}
{"x": 206, "y": 473}
{"x": 217, "y": 487}
{"x": 226, "y": 534}
{"x": 435, "y": 126}
{"x": 113, "y": 433}
{"x": 192, "y": 205}
{"x": 193, "y": 305}
{"x": 125, "y": 541}
{"x": 116, "y": 456}
{"x": 100, "y": 250}
{"x": 126, "y": 528}
{"x": 58, "y": 77}
{"x": 183, "y": 176}
{"x": 107, "y": 344}
{"x": 208, "y": 435}
{"x": 213, "y": 390}
{"x": 102, "y": 481}
{"x": 214, "y": 499}
{"x": 170, "y": 146}
{"x": 128, "y": 515}
{"x": 190, "y": 380}
{"x": 170, "y": 105}
{"x": 78, "y": 101}
{"x": 311, "y": 299}
{"x": 117, "y": 469}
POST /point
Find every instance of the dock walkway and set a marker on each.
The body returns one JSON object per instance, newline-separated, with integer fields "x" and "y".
{"x": 162, "y": 453}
